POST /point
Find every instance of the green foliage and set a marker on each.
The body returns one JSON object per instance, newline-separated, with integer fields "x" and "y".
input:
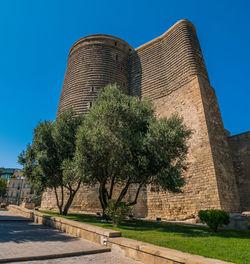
{"x": 121, "y": 143}
{"x": 117, "y": 211}
{"x": 214, "y": 218}
{"x": 44, "y": 160}
{"x": 3, "y": 187}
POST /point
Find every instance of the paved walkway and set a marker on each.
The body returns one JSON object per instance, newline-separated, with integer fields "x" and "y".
{"x": 26, "y": 241}
{"x": 103, "y": 258}
{"x": 11, "y": 217}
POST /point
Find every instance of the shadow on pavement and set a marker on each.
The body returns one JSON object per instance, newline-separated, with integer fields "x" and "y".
{"x": 20, "y": 232}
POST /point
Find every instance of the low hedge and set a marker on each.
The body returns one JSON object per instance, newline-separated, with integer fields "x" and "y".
{"x": 214, "y": 218}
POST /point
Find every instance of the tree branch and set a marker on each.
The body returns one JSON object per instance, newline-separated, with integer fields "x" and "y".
{"x": 124, "y": 191}
{"x": 62, "y": 195}
{"x": 136, "y": 195}
{"x": 111, "y": 187}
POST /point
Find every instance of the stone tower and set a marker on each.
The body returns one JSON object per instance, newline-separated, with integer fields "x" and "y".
{"x": 171, "y": 71}
{"x": 94, "y": 62}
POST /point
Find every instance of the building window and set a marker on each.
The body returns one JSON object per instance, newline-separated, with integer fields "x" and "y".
{"x": 116, "y": 57}
{"x": 13, "y": 185}
{"x": 17, "y": 177}
{"x": 28, "y": 193}
{"x": 19, "y": 185}
{"x": 90, "y": 104}
{"x": 92, "y": 89}
{"x": 24, "y": 186}
{"x": 11, "y": 195}
{"x": 28, "y": 186}
{"x": 9, "y": 184}
{"x": 115, "y": 43}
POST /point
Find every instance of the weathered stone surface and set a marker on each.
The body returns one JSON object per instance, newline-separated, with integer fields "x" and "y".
{"x": 171, "y": 71}
{"x": 240, "y": 150}
{"x": 94, "y": 62}
{"x": 239, "y": 221}
{"x": 86, "y": 201}
{"x": 20, "y": 241}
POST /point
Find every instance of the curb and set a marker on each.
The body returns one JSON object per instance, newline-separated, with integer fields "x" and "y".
{"x": 55, "y": 256}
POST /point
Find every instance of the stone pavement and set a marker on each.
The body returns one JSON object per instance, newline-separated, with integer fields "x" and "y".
{"x": 103, "y": 258}
{"x": 11, "y": 217}
{"x": 26, "y": 241}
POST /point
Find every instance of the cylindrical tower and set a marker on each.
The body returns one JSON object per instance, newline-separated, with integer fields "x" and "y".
{"x": 93, "y": 62}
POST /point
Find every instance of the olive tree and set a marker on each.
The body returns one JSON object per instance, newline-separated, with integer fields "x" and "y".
{"x": 121, "y": 143}
{"x": 3, "y": 187}
{"x": 47, "y": 161}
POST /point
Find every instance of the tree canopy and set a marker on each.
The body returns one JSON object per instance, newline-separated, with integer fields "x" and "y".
{"x": 121, "y": 143}
{"x": 47, "y": 160}
{"x": 3, "y": 187}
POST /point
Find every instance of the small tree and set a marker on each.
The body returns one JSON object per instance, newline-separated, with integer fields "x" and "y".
{"x": 47, "y": 160}
{"x": 117, "y": 211}
{"x": 3, "y": 187}
{"x": 121, "y": 143}
{"x": 214, "y": 218}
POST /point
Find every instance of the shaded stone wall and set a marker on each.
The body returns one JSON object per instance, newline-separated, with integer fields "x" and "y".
{"x": 228, "y": 192}
{"x": 94, "y": 62}
{"x": 171, "y": 71}
{"x": 240, "y": 150}
{"x": 166, "y": 63}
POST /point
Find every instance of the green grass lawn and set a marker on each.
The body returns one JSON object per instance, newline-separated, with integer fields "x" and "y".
{"x": 227, "y": 245}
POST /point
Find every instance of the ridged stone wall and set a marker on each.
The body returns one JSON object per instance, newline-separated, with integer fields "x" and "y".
{"x": 171, "y": 71}
{"x": 166, "y": 63}
{"x": 93, "y": 62}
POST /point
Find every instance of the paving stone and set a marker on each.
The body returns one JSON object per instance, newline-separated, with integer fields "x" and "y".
{"x": 6, "y": 215}
{"x": 19, "y": 239}
{"x": 103, "y": 258}
{"x": 26, "y": 239}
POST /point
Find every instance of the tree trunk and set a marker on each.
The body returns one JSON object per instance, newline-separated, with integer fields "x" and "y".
{"x": 136, "y": 196}
{"x": 69, "y": 202}
{"x": 62, "y": 200}
{"x": 72, "y": 194}
{"x": 103, "y": 199}
{"x": 57, "y": 201}
{"x": 123, "y": 192}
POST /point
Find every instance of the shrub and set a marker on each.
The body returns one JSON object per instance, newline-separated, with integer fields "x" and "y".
{"x": 117, "y": 211}
{"x": 214, "y": 218}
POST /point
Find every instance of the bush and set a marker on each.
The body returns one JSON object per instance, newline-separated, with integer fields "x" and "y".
{"x": 214, "y": 218}
{"x": 117, "y": 211}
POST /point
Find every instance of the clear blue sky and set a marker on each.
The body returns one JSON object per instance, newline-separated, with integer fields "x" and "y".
{"x": 36, "y": 36}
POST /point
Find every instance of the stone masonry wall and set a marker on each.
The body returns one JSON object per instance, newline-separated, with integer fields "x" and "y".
{"x": 165, "y": 64}
{"x": 93, "y": 62}
{"x": 240, "y": 151}
{"x": 228, "y": 192}
{"x": 86, "y": 201}
{"x": 200, "y": 190}
{"x": 171, "y": 71}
